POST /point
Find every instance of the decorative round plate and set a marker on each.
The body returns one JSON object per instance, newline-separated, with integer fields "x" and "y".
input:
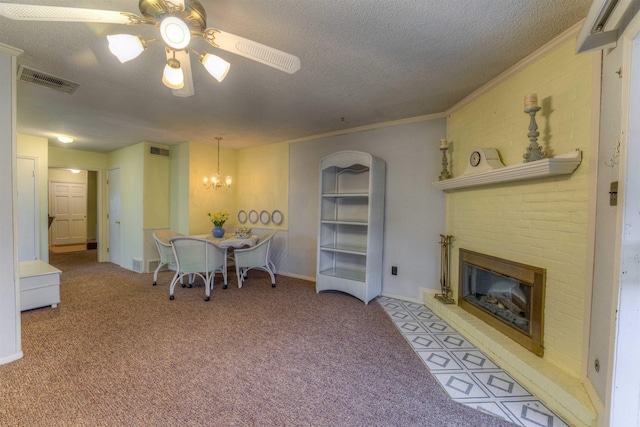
{"x": 242, "y": 217}
{"x": 276, "y": 217}
{"x": 253, "y": 217}
{"x": 264, "y": 217}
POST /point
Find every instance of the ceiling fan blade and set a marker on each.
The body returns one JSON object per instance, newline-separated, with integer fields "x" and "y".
{"x": 185, "y": 63}
{"x": 253, "y": 50}
{"x": 28, "y": 12}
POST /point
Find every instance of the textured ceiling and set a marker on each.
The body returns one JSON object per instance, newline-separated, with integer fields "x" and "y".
{"x": 362, "y": 62}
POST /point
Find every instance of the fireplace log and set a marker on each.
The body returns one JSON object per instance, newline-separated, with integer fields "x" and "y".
{"x": 511, "y": 306}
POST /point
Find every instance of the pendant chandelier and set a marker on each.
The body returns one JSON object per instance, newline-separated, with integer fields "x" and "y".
{"x": 216, "y": 181}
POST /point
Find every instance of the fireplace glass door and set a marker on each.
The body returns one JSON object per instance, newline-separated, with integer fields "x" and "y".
{"x": 505, "y": 298}
{"x": 505, "y": 294}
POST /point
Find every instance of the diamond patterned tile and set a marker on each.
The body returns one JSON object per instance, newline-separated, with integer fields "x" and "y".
{"x": 501, "y": 384}
{"x": 400, "y": 315}
{"x": 438, "y": 327}
{"x": 454, "y": 341}
{"x": 463, "y": 371}
{"x": 460, "y": 386}
{"x": 491, "y": 408}
{"x": 474, "y": 359}
{"x": 424, "y": 315}
{"x": 408, "y": 327}
{"x": 439, "y": 361}
{"x": 533, "y": 413}
{"x": 423, "y": 341}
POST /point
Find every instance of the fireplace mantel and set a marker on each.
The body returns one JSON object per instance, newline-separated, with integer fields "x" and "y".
{"x": 563, "y": 164}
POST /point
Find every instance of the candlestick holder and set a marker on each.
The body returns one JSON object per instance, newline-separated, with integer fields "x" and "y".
{"x": 445, "y": 171}
{"x": 445, "y": 288}
{"x": 534, "y": 151}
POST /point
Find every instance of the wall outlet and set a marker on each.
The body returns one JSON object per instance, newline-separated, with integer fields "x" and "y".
{"x": 394, "y": 270}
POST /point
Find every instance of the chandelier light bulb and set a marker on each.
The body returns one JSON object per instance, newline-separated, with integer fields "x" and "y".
{"x": 215, "y": 66}
{"x": 175, "y": 32}
{"x": 173, "y": 77}
{"x": 126, "y": 47}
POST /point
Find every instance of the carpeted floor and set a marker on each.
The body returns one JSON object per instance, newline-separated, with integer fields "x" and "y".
{"x": 117, "y": 351}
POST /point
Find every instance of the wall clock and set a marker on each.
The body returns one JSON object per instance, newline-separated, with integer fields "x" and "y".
{"x": 483, "y": 160}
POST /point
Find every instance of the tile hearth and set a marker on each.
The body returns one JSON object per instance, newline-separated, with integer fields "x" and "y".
{"x": 464, "y": 372}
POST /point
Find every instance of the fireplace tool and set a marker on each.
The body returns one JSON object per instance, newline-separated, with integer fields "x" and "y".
{"x": 445, "y": 251}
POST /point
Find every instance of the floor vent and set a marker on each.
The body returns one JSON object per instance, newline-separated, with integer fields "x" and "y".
{"x": 39, "y": 78}
{"x": 137, "y": 265}
{"x": 159, "y": 151}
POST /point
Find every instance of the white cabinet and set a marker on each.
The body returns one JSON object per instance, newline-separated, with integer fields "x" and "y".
{"x": 350, "y": 235}
{"x": 39, "y": 285}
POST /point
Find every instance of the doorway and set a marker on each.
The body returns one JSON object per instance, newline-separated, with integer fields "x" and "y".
{"x": 73, "y": 210}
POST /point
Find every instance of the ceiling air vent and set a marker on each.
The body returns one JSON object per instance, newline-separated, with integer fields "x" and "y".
{"x": 159, "y": 151}
{"x": 39, "y": 78}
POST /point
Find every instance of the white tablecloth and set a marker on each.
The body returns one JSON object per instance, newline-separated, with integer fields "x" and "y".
{"x": 230, "y": 240}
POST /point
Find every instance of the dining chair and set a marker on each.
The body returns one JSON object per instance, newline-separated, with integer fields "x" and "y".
{"x": 255, "y": 257}
{"x": 162, "y": 239}
{"x": 198, "y": 257}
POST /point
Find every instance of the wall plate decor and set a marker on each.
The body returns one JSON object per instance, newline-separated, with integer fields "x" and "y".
{"x": 276, "y": 217}
{"x": 264, "y": 217}
{"x": 253, "y": 216}
{"x": 242, "y": 217}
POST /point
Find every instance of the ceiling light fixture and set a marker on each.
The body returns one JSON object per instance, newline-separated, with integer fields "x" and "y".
{"x": 178, "y": 22}
{"x": 214, "y": 65}
{"x": 65, "y": 139}
{"x": 175, "y": 33}
{"x": 215, "y": 181}
{"x": 173, "y": 77}
{"x": 126, "y": 47}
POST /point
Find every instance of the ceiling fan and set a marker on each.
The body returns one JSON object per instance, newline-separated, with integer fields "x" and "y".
{"x": 178, "y": 22}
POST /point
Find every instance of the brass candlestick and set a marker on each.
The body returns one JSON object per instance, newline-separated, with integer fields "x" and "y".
{"x": 534, "y": 151}
{"x": 445, "y": 170}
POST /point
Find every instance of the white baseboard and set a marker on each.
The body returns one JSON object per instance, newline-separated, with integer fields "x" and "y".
{"x": 11, "y": 358}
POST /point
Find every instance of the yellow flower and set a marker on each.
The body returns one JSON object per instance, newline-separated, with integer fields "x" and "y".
{"x": 219, "y": 218}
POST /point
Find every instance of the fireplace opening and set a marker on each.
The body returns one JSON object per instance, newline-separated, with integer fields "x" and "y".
{"x": 505, "y": 294}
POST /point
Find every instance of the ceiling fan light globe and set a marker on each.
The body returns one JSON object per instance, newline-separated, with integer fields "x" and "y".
{"x": 173, "y": 77}
{"x": 215, "y": 66}
{"x": 125, "y": 46}
{"x": 175, "y": 32}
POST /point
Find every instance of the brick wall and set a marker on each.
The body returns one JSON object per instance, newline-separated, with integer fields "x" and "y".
{"x": 541, "y": 222}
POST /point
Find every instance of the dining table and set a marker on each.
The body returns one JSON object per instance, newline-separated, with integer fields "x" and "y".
{"x": 230, "y": 241}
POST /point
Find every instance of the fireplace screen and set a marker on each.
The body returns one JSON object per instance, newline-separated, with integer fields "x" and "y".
{"x": 505, "y": 294}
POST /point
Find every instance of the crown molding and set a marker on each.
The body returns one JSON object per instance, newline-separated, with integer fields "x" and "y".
{"x": 10, "y": 50}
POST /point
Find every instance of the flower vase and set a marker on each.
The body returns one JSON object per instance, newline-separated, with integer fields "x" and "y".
{"x": 218, "y": 231}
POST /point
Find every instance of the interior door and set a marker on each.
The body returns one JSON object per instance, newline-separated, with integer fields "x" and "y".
{"x": 68, "y": 205}
{"x": 114, "y": 216}
{"x": 28, "y": 224}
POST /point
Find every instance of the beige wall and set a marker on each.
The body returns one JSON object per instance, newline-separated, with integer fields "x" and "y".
{"x": 263, "y": 181}
{"x": 179, "y": 188}
{"x": 130, "y": 161}
{"x": 37, "y": 147}
{"x": 156, "y": 188}
{"x": 203, "y": 162}
{"x": 65, "y": 175}
{"x": 541, "y": 222}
